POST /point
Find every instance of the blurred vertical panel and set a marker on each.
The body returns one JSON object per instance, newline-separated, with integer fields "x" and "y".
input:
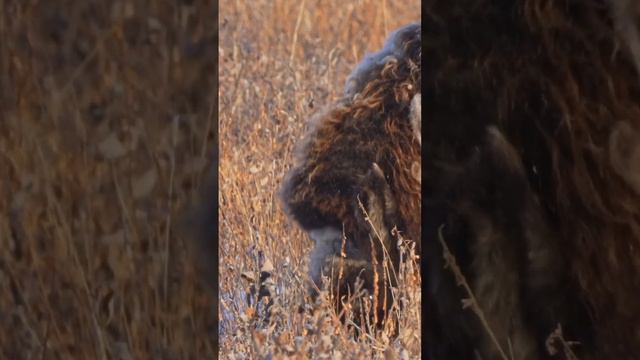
{"x": 108, "y": 127}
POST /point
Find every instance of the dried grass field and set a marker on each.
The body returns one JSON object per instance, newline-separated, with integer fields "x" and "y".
{"x": 281, "y": 61}
{"x": 106, "y": 128}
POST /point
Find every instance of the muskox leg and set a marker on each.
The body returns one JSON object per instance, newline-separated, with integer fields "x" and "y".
{"x": 349, "y": 269}
{"x": 381, "y": 213}
{"x": 496, "y": 231}
{"x": 504, "y": 246}
{"x": 198, "y": 224}
{"x": 372, "y": 260}
{"x": 379, "y": 217}
{"x": 336, "y": 257}
{"x": 547, "y": 297}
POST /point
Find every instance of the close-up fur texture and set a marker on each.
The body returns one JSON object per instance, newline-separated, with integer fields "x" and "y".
{"x": 363, "y": 149}
{"x": 532, "y": 178}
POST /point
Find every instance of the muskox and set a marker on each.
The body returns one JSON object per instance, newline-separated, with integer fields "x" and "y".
{"x": 362, "y": 150}
{"x": 532, "y": 179}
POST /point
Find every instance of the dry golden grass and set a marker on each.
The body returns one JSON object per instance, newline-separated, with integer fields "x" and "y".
{"x": 279, "y": 62}
{"x": 106, "y": 126}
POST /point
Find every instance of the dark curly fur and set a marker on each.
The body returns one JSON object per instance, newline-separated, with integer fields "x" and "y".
{"x": 362, "y": 147}
{"x": 533, "y": 167}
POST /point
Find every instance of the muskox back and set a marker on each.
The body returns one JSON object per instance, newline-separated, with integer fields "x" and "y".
{"x": 361, "y": 149}
{"x": 532, "y": 177}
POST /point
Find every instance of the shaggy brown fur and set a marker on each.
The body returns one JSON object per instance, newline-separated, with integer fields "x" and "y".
{"x": 360, "y": 148}
{"x": 532, "y": 134}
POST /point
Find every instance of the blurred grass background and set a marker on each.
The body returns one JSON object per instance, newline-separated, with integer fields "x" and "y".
{"x": 106, "y": 129}
{"x": 280, "y": 62}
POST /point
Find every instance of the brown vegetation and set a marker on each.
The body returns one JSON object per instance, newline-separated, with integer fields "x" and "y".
{"x": 279, "y": 63}
{"x": 106, "y": 127}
